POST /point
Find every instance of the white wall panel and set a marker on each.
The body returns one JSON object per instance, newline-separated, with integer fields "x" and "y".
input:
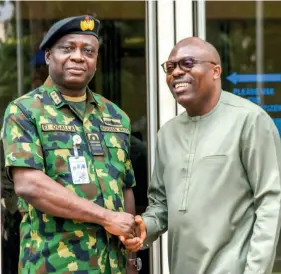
{"x": 184, "y": 26}
{"x": 180, "y": 12}
{"x": 152, "y": 104}
{"x": 166, "y": 39}
{"x": 174, "y": 22}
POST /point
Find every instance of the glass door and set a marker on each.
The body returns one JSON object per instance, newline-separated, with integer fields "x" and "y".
{"x": 247, "y": 36}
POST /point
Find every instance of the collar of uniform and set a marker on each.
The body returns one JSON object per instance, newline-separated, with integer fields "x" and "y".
{"x": 49, "y": 83}
{"x": 91, "y": 97}
{"x": 54, "y": 93}
{"x": 57, "y": 97}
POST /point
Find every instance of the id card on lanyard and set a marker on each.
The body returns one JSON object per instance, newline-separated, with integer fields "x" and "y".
{"x": 78, "y": 165}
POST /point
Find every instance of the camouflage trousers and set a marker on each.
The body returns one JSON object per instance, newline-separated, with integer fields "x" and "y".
{"x": 88, "y": 251}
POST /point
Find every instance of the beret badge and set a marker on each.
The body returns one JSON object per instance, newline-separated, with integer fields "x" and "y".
{"x": 87, "y": 24}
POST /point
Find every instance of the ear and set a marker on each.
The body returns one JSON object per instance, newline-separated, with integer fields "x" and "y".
{"x": 47, "y": 56}
{"x": 217, "y": 72}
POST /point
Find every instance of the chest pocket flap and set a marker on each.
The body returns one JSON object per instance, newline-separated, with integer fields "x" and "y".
{"x": 117, "y": 140}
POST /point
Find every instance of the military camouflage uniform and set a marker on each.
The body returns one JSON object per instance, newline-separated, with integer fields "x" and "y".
{"x": 37, "y": 133}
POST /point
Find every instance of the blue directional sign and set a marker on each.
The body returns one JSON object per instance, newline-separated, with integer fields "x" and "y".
{"x": 255, "y": 93}
{"x": 236, "y": 78}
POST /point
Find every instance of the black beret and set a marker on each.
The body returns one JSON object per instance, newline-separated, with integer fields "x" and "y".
{"x": 84, "y": 24}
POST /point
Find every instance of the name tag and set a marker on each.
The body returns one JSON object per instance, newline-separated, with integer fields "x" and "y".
{"x": 95, "y": 144}
{"x": 79, "y": 170}
{"x": 115, "y": 129}
{"x": 58, "y": 127}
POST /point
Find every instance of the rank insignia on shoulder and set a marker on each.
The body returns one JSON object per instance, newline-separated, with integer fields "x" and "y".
{"x": 112, "y": 122}
{"x": 55, "y": 97}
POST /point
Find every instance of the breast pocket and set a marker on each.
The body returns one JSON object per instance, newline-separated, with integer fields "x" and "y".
{"x": 210, "y": 171}
{"x": 57, "y": 147}
{"x": 212, "y": 163}
{"x": 117, "y": 149}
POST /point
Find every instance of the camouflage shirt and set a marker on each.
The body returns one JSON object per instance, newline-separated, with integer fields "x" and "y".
{"x": 38, "y": 133}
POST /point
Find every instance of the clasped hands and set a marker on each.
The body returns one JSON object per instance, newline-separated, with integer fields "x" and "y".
{"x": 135, "y": 243}
{"x": 131, "y": 230}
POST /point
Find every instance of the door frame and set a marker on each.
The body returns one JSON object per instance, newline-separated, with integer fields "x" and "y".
{"x": 167, "y": 23}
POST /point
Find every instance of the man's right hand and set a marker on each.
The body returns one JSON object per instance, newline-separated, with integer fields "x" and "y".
{"x": 121, "y": 224}
{"x": 135, "y": 244}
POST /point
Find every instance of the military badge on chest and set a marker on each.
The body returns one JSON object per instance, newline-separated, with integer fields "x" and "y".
{"x": 95, "y": 144}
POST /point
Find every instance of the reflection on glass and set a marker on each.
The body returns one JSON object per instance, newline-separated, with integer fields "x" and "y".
{"x": 232, "y": 29}
{"x": 9, "y": 91}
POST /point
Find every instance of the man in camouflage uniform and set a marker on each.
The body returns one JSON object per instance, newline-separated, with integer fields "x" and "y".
{"x": 67, "y": 152}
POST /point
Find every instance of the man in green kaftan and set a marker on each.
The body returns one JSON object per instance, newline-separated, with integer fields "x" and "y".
{"x": 216, "y": 185}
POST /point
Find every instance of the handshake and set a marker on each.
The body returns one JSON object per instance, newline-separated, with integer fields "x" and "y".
{"x": 136, "y": 243}
{"x": 131, "y": 230}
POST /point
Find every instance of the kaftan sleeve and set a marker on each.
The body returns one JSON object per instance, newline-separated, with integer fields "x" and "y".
{"x": 261, "y": 157}
{"x": 156, "y": 214}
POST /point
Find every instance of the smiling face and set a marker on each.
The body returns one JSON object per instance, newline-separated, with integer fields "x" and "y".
{"x": 72, "y": 61}
{"x": 192, "y": 74}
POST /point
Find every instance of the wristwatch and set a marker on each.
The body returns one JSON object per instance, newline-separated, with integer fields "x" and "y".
{"x": 137, "y": 263}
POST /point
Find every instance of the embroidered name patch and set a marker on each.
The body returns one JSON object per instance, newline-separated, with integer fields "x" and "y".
{"x": 57, "y": 127}
{"x": 112, "y": 122}
{"x": 115, "y": 129}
